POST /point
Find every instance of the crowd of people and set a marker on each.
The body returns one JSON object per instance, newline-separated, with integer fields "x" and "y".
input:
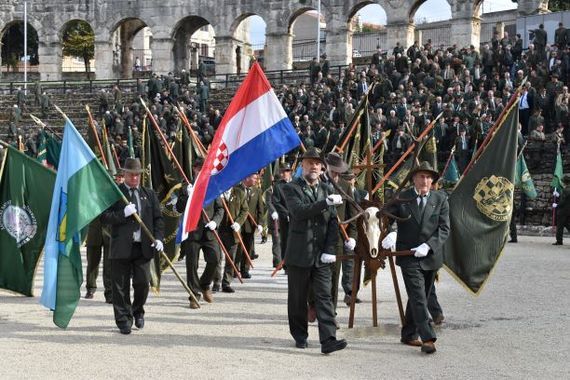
{"x": 406, "y": 89}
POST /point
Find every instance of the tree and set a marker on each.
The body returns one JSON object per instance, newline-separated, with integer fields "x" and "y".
{"x": 79, "y": 41}
{"x": 559, "y": 5}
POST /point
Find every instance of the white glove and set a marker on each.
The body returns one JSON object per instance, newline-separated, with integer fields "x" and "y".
{"x": 334, "y": 200}
{"x": 422, "y": 250}
{"x": 556, "y": 193}
{"x": 350, "y": 244}
{"x": 189, "y": 189}
{"x": 327, "y": 259}
{"x": 259, "y": 228}
{"x": 236, "y": 227}
{"x": 554, "y": 205}
{"x": 389, "y": 241}
{"x": 129, "y": 210}
{"x": 158, "y": 245}
{"x": 274, "y": 215}
{"x": 211, "y": 225}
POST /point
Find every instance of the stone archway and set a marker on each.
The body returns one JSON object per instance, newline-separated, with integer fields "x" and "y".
{"x": 303, "y": 28}
{"x": 194, "y": 42}
{"x": 12, "y": 48}
{"x": 122, "y": 37}
{"x": 367, "y": 37}
{"x": 237, "y": 52}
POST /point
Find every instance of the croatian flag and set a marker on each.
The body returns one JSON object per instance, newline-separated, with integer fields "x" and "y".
{"x": 254, "y": 132}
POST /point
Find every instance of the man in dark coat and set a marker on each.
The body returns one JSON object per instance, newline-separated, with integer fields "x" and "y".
{"x": 313, "y": 235}
{"x": 424, "y": 232}
{"x": 131, "y": 249}
{"x": 201, "y": 238}
{"x": 563, "y": 211}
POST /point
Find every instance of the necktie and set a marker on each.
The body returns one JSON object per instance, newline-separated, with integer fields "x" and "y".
{"x": 136, "y": 200}
{"x": 421, "y": 203}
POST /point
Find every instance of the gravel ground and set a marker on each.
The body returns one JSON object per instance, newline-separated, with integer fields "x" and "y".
{"x": 510, "y": 331}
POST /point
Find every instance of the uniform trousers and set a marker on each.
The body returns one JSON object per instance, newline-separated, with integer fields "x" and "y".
{"x": 418, "y": 284}
{"x": 136, "y": 267}
{"x": 92, "y": 272}
{"x": 299, "y": 281}
{"x": 211, "y": 251}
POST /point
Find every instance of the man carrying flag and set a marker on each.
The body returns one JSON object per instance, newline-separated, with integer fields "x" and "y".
{"x": 131, "y": 250}
{"x": 82, "y": 191}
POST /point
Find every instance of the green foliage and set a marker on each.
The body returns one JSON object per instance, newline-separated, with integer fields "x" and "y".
{"x": 559, "y": 5}
{"x": 79, "y": 41}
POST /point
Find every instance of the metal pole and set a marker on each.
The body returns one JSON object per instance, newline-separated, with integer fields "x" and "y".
{"x": 319, "y": 31}
{"x": 25, "y": 47}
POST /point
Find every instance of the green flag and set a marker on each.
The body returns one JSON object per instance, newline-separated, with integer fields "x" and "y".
{"x": 398, "y": 177}
{"x": 42, "y": 148}
{"x": 106, "y": 145}
{"x": 481, "y": 206}
{"x": 558, "y": 174}
{"x": 523, "y": 179}
{"x": 24, "y": 214}
{"x": 359, "y": 125}
{"x": 184, "y": 151}
{"x": 49, "y": 149}
{"x": 451, "y": 175}
{"x": 130, "y": 143}
{"x": 429, "y": 151}
{"x": 161, "y": 175}
{"x": 82, "y": 191}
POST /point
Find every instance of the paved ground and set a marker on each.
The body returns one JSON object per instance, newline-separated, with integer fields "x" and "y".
{"x": 516, "y": 329}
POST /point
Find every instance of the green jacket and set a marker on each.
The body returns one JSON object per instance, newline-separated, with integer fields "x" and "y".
{"x": 238, "y": 207}
{"x": 256, "y": 208}
{"x": 313, "y": 228}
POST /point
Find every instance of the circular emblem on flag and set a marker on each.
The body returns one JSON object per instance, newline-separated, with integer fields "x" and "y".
{"x": 221, "y": 159}
{"x": 18, "y": 222}
{"x": 494, "y": 198}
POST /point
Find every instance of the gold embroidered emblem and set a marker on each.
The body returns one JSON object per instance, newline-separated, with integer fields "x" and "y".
{"x": 494, "y": 198}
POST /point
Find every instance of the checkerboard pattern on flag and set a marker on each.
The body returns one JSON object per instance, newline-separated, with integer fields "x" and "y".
{"x": 254, "y": 132}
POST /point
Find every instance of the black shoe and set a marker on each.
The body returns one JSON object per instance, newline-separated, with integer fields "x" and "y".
{"x": 228, "y": 289}
{"x": 108, "y": 300}
{"x": 254, "y": 256}
{"x": 438, "y": 319}
{"x": 245, "y": 275}
{"x": 125, "y": 330}
{"x": 139, "y": 322}
{"x": 333, "y": 345}
{"x": 215, "y": 288}
{"x": 428, "y": 347}
{"x": 89, "y": 294}
{"x": 301, "y": 344}
{"x": 348, "y": 299}
{"x": 557, "y": 243}
{"x": 263, "y": 240}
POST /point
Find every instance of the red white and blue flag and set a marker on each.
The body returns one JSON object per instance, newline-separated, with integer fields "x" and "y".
{"x": 254, "y": 132}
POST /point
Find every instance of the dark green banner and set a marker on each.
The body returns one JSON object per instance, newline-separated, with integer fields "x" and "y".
{"x": 26, "y": 189}
{"x": 481, "y": 206}
{"x": 162, "y": 176}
